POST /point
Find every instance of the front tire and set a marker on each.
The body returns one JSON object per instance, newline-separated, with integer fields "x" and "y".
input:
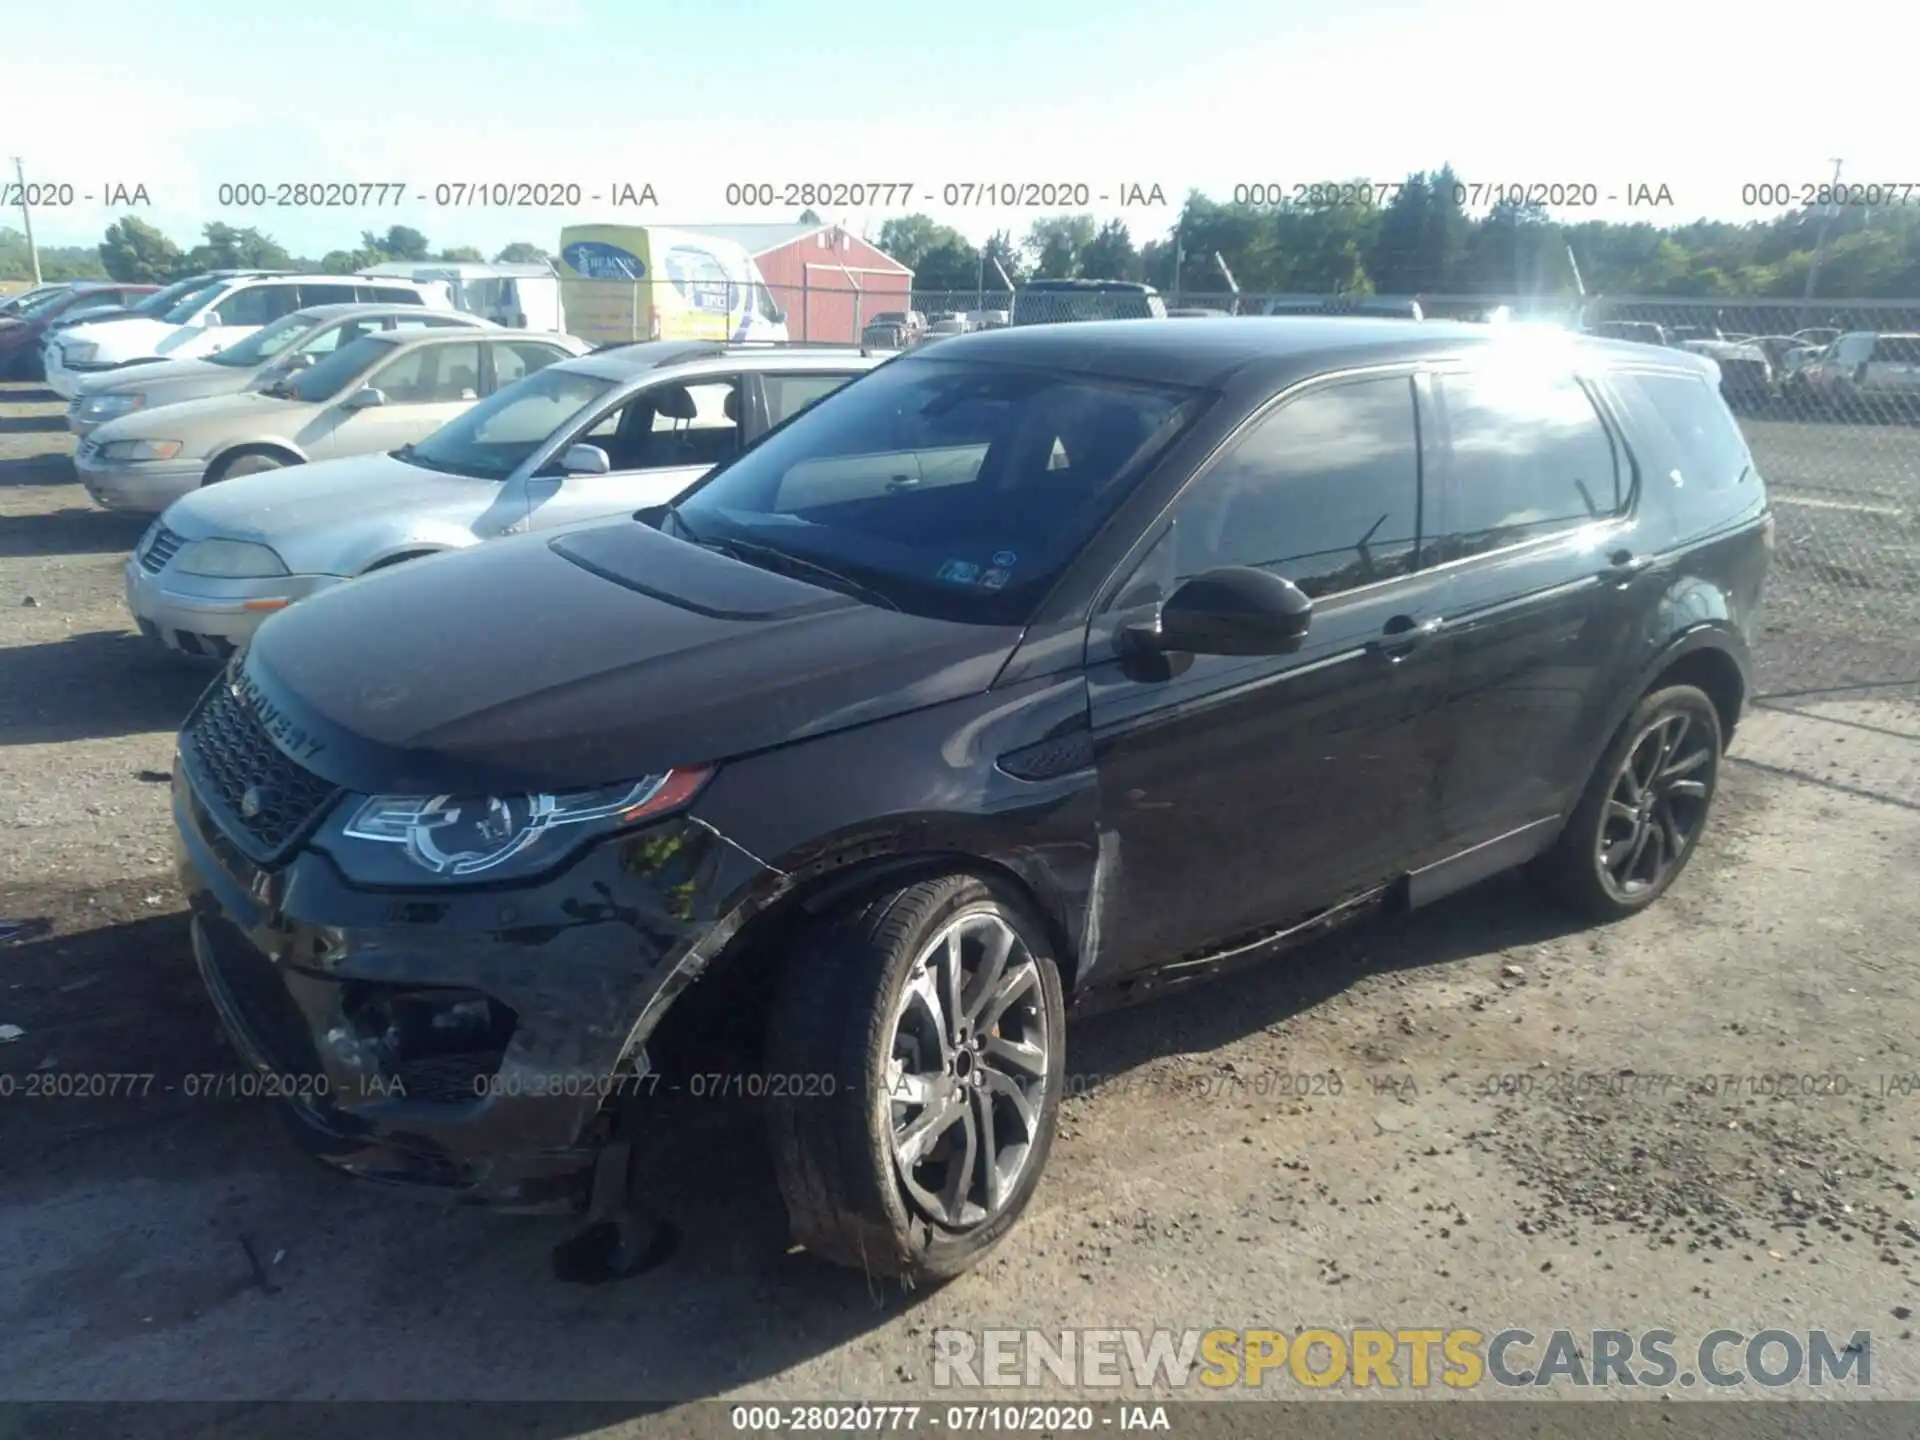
{"x": 1643, "y": 810}
{"x": 253, "y": 463}
{"x": 918, "y": 1040}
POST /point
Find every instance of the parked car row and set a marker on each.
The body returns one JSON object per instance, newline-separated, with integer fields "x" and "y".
{"x": 820, "y": 693}
{"x": 27, "y": 320}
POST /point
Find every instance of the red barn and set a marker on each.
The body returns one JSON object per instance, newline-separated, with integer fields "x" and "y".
{"x": 829, "y": 280}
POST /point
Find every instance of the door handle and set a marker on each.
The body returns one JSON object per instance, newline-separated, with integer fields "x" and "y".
{"x": 1402, "y": 635}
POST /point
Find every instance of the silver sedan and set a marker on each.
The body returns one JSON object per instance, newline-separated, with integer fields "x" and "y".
{"x": 576, "y": 443}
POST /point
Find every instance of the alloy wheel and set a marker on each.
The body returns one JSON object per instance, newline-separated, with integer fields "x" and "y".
{"x": 967, "y": 1075}
{"x": 1656, "y": 806}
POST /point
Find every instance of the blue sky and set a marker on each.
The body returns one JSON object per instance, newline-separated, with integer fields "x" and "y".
{"x": 689, "y": 97}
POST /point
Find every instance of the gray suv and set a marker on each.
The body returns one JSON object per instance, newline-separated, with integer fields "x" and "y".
{"x": 278, "y": 351}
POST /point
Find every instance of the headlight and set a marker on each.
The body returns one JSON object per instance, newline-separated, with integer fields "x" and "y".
{"x": 78, "y": 351}
{"x": 229, "y": 560}
{"x": 140, "y": 450}
{"x": 105, "y": 407}
{"x": 408, "y": 839}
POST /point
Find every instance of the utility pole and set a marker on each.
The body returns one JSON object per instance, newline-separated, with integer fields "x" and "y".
{"x": 1820, "y": 244}
{"x": 26, "y": 218}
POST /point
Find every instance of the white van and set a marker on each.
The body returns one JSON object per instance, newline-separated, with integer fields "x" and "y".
{"x": 207, "y": 320}
{"x": 517, "y": 296}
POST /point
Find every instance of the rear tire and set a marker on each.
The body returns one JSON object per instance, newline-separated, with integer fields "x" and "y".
{"x": 918, "y": 1041}
{"x": 1643, "y": 810}
{"x": 248, "y": 463}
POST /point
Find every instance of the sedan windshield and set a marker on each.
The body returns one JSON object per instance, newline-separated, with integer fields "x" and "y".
{"x": 189, "y": 305}
{"x": 954, "y": 490}
{"x": 495, "y": 437}
{"x": 332, "y": 375}
{"x": 264, "y": 343}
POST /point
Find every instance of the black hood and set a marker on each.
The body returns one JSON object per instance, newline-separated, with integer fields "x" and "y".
{"x": 537, "y": 664}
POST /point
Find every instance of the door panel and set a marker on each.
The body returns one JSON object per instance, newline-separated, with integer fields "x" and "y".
{"x": 1527, "y": 485}
{"x": 1240, "y": 793}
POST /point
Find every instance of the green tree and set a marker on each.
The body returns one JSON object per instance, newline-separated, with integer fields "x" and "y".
{"x": 809, "y": 216}
{"x": 463, "y": 253}
{"x": 401, "y": 242}
{"x": 1057, "y": 243}
{"x": 953, "y": 264}
{"x": 133, "y": 250}
{"x": 229, "y": 248}
{"x": 1110, "y": 255}
{"x": 521, "y": 252}
{"x": 908, "y": 238}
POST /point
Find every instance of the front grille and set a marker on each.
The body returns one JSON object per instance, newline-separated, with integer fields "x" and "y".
{"x": 258, "y": 793}
{"x": 162, "y": 545}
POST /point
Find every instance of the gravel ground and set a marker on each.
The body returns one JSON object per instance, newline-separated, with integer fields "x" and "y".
{"x": 1706, "y": 1117}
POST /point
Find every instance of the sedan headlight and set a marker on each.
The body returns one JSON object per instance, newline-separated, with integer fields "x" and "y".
{"x": 78, "y": 352}
{"x": 410, "y": 839}
{"x": 229, "y": 560}
{"x": 140, "y": 449}
{"x": 106, "y": 407}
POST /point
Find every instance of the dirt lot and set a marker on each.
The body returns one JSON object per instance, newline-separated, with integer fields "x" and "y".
{"x": 1706, "y": 1117}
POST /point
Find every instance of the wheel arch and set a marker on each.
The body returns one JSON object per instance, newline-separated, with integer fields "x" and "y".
{"x": 278, "y": 449}
{"x": 726, "y": 997}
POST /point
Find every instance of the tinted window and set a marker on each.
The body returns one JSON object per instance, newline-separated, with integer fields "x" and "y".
{"x": 431, "y": 375}
{"x": 257, "y": 305}
{"x": 1325, "y": 491}
{"x": 328, "y": 378}
{"x": 326, "y": 294}
{"x": 790, "y": 394}
{"x": 1895, "y": 350}
{"x": 954, "y": 489}
{"x": 1684, "y": 428}
{"x": 1528, "y": 455}
{"x": 390, "y": 295}
{"x": 515, "y": 360}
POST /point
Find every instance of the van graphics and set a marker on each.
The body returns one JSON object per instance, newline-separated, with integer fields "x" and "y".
{"x": 597, "y": 260}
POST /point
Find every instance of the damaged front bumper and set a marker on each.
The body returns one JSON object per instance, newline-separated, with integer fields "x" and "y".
{"x": 470, "y": 1043}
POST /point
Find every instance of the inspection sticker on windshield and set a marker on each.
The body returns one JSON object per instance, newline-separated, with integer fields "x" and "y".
{"x": 1004, "y": 559}
{"x": 996, "y": 578}
{"x": 959, "y": 572}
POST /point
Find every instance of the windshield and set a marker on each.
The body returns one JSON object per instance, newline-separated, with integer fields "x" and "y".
{"x": 495, "y": 437}
{"x": 161, "y": 301}
{"x": 953, "y": 489}
{"x": 189, "y": 304}
{"x": 34, "y": 304}
{"x": 333, "y": 374}
{"x": 265, "y": 343}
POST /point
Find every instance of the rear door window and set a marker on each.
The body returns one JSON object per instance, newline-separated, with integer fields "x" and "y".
{"x": 790, "y": 394}
{"x": 1690, "y": 438}
{"x": 1527, "y": 455}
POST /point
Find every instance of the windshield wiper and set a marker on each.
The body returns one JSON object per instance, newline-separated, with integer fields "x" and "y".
{"x": 782, "y": 563}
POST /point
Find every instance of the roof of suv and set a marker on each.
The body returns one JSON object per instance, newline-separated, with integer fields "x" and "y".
{"x": 622, "y": 362}
{"x": 355, "y": 310}
{"x": 1204, "y": 352}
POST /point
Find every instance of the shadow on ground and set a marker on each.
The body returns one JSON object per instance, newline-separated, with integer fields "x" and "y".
{"x": 70, "y": 531}
{"x": 90, "y": 686}
{"x": 32, "y": 424}
{"x": 731, "y": 1306}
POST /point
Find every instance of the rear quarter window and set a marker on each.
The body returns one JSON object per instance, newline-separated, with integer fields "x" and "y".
{"x": 1690, "y": 448}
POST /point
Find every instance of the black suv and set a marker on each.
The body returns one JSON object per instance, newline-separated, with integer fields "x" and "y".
{"x": 1043, "y": 666}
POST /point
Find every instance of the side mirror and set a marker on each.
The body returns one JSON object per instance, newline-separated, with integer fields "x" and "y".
{"x": 779, "y": 315}
{"x": 1235, "y": 611}
{"x": 365, "y": 398}
{"x": 585, "y": 460}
